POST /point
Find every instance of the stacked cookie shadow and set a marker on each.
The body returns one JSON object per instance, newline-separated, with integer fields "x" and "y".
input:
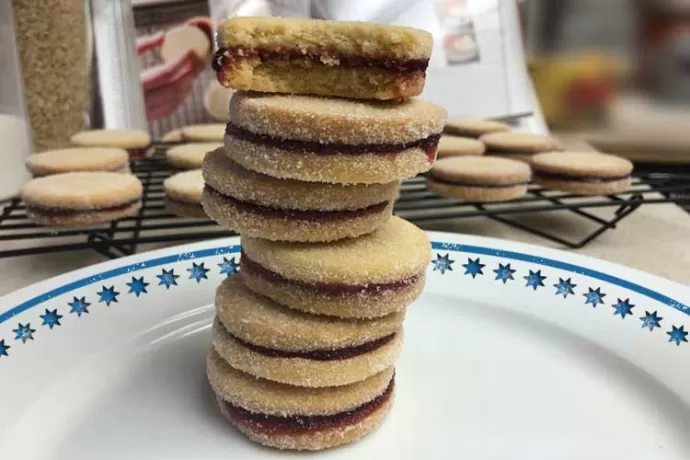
{"x": 306, "y": 336}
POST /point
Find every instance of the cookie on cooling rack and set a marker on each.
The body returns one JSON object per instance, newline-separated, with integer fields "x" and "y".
{"x": 122, "y": 138}
{"x": 81, "y": 198}
{"x": 479, "y": 179}
{"x": 183, "y": 194}
{"x": 213, "y": 132}
{"x": 189, "y": 156}
{"x": 451, "y": 146}
{"x": 519, "y": 145}
{"x": 469, "y": 127}
{"x": 78, "y": 159}
{"x": 586, "y": 173}
{"x": 357, "y": 60}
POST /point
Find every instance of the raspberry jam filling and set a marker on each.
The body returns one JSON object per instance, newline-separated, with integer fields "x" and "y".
{"x": 428, "y": 144}
{"x": 320, "y": 355}
{"x": 226, "y": 57}
{"x": 250, "y": 267}
{"x": 301, "y": 424}
{"x": 294, "y": 214}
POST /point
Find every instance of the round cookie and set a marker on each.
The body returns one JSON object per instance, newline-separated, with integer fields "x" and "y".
{"x": 217, "y": 101}
{"x": 189, "y": 156}
{"x": 317, "y": 418}
{"x": 183, "y": 194}
{"x": 180, "y": 40}
{"x": 78, "y": 159}
{"x": 204, "y": 133}
{"x": 479, "y": 179}
{"x": 261, "y": 206}
{"x": 509, "y": 143}
{"x": 451, "y": 146}
{"x": 313, "y": 370}
{"x": 474, "y": 127}
{"x": 81, "y": 198}
{"x": 333, "y": 140}
{"x": 259, "y": 321}
{"x": 121, "y": 138}
{"x": 586, "y": 173}
{"x": 173, "y": 136}
{"x": 367, "y": 277}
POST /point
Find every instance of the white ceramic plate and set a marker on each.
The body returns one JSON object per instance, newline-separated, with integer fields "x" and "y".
{"x": 513, "y": 352}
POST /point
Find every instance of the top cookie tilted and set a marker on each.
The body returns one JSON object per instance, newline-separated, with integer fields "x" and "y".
{"x": 357, "y": 60}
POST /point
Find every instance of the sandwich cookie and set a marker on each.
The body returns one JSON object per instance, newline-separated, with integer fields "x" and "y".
{"x": 328, "y": 58}
{"x": 130, "y": 139}
{"x": 78, "y": 159}
{"x": 297, "y": 418}
{"x": 586, "y": 173}
{"x": 479, "y": 179}
{"x": 81, "y": 198}
{"x": 474, "y": 128}
{"x": 332, "y": 140}
{"x": 366, "y": 277}
{"x": 183, "y": 194}
{"x": 518, "y": 145}
{"x": 261, "y": 206}
{"x": 189, "y": 156}
{"x": 258, "y": 336}
{"x": 204, "y": 133}
{"x": 451, "y": 146}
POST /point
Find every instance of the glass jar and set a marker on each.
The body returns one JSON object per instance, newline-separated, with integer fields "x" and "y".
{"x": 14, "y": 129}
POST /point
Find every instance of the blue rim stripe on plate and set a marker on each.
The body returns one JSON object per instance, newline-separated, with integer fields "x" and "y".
{"x": 481, "y": 250}
{"x": 580, "y": 270}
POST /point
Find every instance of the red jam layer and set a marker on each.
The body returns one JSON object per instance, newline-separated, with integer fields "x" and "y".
{"x": 573, "y": 178}
{"x": 428, "y": 144}
{"x": 302, "y": 424}
{"x": 250, "y": 267}
{"x": 320, "y": 355}
{"x": 225, "y": 57}
{"x": 293, "y": 214}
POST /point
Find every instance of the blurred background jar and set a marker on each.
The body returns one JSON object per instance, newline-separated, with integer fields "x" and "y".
{"x": 14, "y": 129}
{"x": 54, "y": 47}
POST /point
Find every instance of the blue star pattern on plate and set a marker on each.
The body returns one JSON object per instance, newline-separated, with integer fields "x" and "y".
{"x": 198, "y": 272}
{"x": 594, "y": 296}
{"x": 137, "y": 286}
{"x": 534, "y": 279}
{"x": 4, "y": 348}
{"x": 24, "y": 332}
{"x": 79, "y": 306}
{"x": 473, "y": 267}
{"x": 443, "y": 263}
{"x": 167, "y": 278}
{"x": 51, "y": 318}
{"x": 623, "y": 308}
{"x": 677, "y": 335}
{"x": 650, "y": 320}
{"x": 565, "y": 287}
{"x": 504, "y": 273}
{"x": 107, "y": 295}
{"x": 229, "y": 267}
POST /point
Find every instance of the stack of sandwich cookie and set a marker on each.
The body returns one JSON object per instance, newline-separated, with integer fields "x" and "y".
{"x": 306, "y": 336}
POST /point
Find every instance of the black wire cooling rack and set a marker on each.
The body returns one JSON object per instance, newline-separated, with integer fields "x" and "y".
{"x": 19, "y": 236}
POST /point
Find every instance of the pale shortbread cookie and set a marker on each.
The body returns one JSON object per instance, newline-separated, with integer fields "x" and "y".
{"x": 313, "y": 440}
{"x": 450, "y": 146}
{"x": 189, "y": 156}
{"x": 179, "y": 40}
{"x": 518, "y": 142}
{"x": 479, "y": 179}
{"x": 474, "y": 127}
{"x": 217, "y": 101}
{"x": 183, "y": 193}
{"x": 213, "y": 132}
{"x": 260, "y": 321}
{"x": 78, "y": 159}
{"x": 329, "y": 58}
{"x": 367, "y": 277}
{"x": 587, "y": 173}
{"x": 338, "y": 141}
{"x": 81, "y": 198}
{"x": 272, "y": 398}
{"x": 312, "y": 373}
{"x": 121, "y": 138}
